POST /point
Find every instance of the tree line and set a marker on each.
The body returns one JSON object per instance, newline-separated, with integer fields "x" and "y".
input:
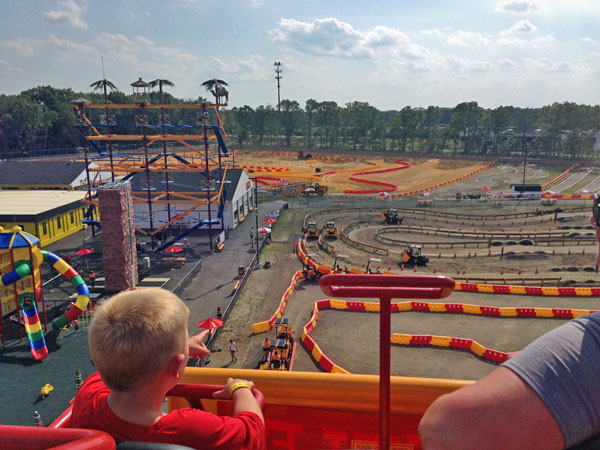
{"x": 42, "y": 118}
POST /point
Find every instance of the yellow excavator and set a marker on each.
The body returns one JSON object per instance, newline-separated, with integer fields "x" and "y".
{"x": 312, "y": 232}
{"x": 330, "y": 231}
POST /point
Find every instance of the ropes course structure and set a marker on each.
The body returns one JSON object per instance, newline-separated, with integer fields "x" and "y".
{"x": 152, "y": 156}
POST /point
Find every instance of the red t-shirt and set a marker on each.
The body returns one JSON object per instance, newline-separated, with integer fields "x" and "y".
{"x": 186, "y": 426}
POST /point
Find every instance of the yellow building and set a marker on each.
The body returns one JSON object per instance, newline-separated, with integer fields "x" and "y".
{"x": 49, "y": 215}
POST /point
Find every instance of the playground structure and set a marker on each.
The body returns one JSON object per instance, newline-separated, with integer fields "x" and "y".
{"x": 21, "y": 287}
{"x": 151, "y": 158}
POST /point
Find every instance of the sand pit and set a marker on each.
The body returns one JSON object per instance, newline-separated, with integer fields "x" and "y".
{"x": 336, "y": 174}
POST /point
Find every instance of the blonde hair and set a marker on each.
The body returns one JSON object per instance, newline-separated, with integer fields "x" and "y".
{"x": 134, "y": 334}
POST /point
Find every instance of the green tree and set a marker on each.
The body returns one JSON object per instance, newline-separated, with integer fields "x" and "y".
{"x": 464, "y": 123}
{"x": 291, "y": 114}
{"x": 499, "y": 119}
{"x": 329, "y": 119}
{"x": 311, "y": 108}
{"x": 431, "y": 120}
{"x": 243, "y": 119}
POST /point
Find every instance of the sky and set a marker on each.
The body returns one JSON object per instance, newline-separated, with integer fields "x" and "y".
{"x": 391, "y": 54}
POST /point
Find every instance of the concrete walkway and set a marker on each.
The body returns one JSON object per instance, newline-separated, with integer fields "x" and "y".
{"x": 213, "y": 285}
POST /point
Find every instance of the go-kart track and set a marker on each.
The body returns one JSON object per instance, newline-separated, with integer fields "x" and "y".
{"x": 514, "y": 247}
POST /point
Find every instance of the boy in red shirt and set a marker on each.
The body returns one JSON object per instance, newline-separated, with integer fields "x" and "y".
{"x": 140, "y": 344}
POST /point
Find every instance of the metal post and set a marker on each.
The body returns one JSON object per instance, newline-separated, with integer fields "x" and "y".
{"x": 278, "y": 78}
{"x": 147, "y": 176}
{"x": 167, "y": 187}
{"x": 256, "y": 216}
{"x": 205, "y": 125}
{"x": 384, "y": 372}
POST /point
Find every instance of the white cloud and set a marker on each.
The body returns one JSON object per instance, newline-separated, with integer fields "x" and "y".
{"x": 589, "y": 40}
{"x": 547, "y": 65}
{"x": 5, "y": 66}
{"x": 332, "y": 37}
{"x": 517, "y": 6}
{"x": 516, "y": 42}
{"x": 68, "y": 13}
{"x": 462, "y": 38}
{"x": 432, "y": 32}
{"x": 506, "y": 63}
{"x": 73, "y": 50}
{"x": 248, "y": 69}
{"x": 25, "y": 46}
{"x": 523, "y": 26}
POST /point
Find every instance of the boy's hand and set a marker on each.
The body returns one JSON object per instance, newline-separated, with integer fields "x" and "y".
{"x": 196, "y": 345}
{"x": 224, "y": 393}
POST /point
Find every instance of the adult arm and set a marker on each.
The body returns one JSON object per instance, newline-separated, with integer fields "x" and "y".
{"x": 499, "y": 411}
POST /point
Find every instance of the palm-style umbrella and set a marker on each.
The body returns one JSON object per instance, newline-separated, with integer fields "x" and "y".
{"x": 264, "y": 230}
{"x": 486, "y": 188}
{"x": 269, "y": 220}
{"x": 210, "y": 323}
{"x": 84, "y": 251}
{"x": 173, "y": 249}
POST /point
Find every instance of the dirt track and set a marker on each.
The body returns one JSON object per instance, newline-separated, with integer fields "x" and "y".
{"x": 351, "y": 339}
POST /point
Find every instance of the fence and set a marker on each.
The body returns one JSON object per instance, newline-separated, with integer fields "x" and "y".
{"x": 236, "y": 293}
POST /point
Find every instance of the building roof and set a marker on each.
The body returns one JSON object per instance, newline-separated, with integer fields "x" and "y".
{"x": 40, "y": 173}
{"x": 184, "y": 181}
{"x": 35, "y": 204}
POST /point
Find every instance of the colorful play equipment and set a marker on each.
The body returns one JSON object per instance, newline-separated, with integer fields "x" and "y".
{"x": 21, "y": 287}
{"x": 152, "y": 156}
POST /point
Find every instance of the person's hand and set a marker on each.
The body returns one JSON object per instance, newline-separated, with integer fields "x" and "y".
{"x": 196, "y": 345}
{"x": 224, "y": 393}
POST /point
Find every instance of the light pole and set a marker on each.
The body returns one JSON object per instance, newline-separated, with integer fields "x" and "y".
{"x": 277, "y": 65}
{"x": 256, "y": 217}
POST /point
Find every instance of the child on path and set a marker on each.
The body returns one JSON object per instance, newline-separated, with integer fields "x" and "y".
{"x": 140, "y": 344}
{"x": 233, "y": 348}
{"x": 251, "y": 235}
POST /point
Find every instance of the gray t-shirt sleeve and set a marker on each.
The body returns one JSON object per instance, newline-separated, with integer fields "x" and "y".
{"x": 563, "y": 368}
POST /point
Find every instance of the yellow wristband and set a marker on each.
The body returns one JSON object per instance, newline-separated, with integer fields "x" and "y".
{"x": 235, "y": 386}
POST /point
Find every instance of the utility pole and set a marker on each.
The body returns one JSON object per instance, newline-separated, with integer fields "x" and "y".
{"x": 256, "y": 217}
{"x": 524, "y": 143}
{"x": 278, "y": 77}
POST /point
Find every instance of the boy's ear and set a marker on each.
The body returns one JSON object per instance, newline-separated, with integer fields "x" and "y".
{"x": 176, "y": 365}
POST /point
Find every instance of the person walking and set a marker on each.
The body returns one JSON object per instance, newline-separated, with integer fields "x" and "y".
{"x": 92, "y": 277}
{"x": 233, "y": 348}
{"x": 251, "y": 235}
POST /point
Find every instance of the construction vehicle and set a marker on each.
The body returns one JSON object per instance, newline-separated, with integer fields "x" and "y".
{"x": 302, "y": 155}
{"x": 311, "y": 272}
{"x": 413, "y": 256}
{"x": 278, "y": 354}
{"x": 390, "y": 217}
{"x": 373, "y": 260}
{"x": 330, "y": 231}
{"x": 316, "y": 188}
{"x": 312, "y": 232}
